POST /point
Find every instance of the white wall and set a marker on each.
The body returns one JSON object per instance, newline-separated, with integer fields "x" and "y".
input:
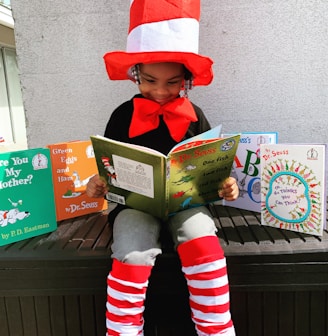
{"x": 271, "y": 66}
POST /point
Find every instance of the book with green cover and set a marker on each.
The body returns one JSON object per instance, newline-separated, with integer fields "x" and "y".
{"x": 144, "y": 179}
{"x": 27, "y": 206}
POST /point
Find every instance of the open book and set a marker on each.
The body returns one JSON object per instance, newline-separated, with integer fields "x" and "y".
{"x": 147, "y": 180}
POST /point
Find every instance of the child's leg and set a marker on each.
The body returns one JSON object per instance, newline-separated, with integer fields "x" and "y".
{"x": 204, "y": 267}
{"x": 135, "y": 247}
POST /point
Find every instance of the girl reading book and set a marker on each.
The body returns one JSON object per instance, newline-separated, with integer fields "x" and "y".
{"x": 159, "y": 118}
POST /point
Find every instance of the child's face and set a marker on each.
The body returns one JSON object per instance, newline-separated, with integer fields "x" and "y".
{"x": 161, "y": 82}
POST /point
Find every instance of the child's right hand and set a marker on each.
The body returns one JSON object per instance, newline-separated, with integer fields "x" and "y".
{"x": 96, "y": 187}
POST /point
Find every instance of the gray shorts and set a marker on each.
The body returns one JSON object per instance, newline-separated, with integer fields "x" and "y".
{"x": 136, "y": 234}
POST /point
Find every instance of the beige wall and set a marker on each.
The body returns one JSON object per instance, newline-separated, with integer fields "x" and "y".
{"x": 271, "y": 66}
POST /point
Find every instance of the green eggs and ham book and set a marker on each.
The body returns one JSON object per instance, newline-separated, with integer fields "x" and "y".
{"x": 293, "y": 187}
{"x": 73, "y": 164}
{"x": 27, "y": 206}
{"x": 144, "y": 179}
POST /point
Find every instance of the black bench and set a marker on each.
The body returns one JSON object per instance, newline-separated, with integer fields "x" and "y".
{"x": 56, "y": 284}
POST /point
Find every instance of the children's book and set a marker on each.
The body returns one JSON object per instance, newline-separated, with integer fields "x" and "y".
{"x": 246, "y": 169}
{"x": 27, "y": 206}
{"x": 144, "y": 179}
{"x": 293, "y": 187}
{"x": 73, "y": 163}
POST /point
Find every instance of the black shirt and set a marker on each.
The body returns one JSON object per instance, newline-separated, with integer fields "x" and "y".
{"x": 160, "y": 139}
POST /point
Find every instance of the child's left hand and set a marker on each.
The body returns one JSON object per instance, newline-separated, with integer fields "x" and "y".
{"x": 230, "y": 190}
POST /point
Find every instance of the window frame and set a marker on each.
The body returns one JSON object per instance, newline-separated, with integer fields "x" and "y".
{"x": 13, "y": 126}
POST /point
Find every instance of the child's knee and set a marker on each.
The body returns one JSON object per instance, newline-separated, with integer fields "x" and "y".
{"x": 147, "y": 258}
{"x": 134, "y": 231}
{"x": 191, "y": 224}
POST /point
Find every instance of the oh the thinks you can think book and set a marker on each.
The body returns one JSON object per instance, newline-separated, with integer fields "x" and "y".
{"x": 293, "y": 188}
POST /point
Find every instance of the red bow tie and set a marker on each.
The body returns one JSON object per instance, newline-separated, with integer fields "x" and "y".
{"x": 177, "y": 115}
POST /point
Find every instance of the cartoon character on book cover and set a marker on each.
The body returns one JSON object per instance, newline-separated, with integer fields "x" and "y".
{"x": 293, "y": 192}
{"x": 13, "y": 214}
{"x": 111, "y": 174}
{"x": 196, "y": 175}
{"x": 73, "y": 165}
{"x": 78, "y": 180}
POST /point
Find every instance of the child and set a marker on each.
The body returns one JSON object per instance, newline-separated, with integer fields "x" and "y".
{"x": 159, "y": 118}
{"x": 136, "y": 234}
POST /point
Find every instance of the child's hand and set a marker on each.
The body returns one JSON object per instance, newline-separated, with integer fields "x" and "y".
{"x": 230, "y": 190}
{"x": 96, "y": 187}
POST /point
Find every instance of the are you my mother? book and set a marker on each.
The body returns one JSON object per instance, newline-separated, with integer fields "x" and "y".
{"x": 27, "y": 205}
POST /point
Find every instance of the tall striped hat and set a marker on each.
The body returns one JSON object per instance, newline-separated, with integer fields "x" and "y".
{"x": 162, "y": 31}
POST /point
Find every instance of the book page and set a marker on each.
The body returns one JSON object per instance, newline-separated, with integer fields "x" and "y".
{"x": 196, "y": 174}
{"x": 210, "y": 135}
{"x": 134, "y": 176}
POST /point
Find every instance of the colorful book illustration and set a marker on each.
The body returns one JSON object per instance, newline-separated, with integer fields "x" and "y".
{"x": 293, "y": 187}
{"x": 189, "y": 176}
{"x": 27, "y": 206}
{"x": 73, "y": 163}
{"x": 246, "y": 169}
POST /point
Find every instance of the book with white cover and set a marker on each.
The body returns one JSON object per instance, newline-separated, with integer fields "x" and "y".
{"x": 246, "y": 169}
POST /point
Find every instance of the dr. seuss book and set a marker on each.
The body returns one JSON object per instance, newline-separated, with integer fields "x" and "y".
{"x": 293, "y": 187}
{"x": 27, "y": 206}
{"x": 161, "y": 185}
{"x": 73, "y": 163}
{"x": 246, "y": 169}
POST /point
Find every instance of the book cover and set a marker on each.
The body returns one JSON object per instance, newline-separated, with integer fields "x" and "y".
{"x": 144, "y": 179}
{"x": 293, "y": 187}
{"x": 246, "y": 169}
{"x": 73, "y": 163}
{"x": 27, "y": 206}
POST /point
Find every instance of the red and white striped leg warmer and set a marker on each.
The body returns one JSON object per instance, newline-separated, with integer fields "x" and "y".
{"x": 204, "y": 267}
{"x": 126, "y": 292}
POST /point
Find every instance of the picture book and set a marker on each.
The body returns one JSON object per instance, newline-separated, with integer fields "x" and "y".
{"x": 144, "y": 179}
{"x": 27, "y": 206}
{"x": 73, "y": 163}
{"x": 246, "y": 169}
{"x": 293, "y": 187}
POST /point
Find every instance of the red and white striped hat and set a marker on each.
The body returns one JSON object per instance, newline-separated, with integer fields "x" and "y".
{"x": 162, "y": 31}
